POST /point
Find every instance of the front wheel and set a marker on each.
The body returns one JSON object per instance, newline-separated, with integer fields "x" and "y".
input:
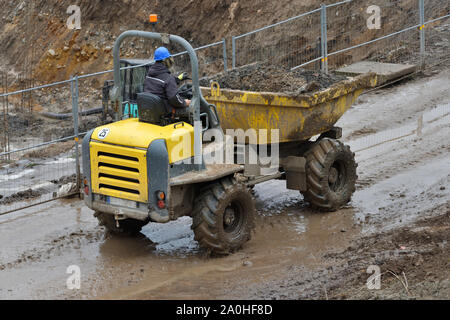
{"x": 223, "y": 216}
{"x": 330, "y": 175}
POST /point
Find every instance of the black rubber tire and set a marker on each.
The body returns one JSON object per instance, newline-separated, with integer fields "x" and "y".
{"x": 330, "y": 175}
{"x": 210, "y": 229}
{"x": 126, "y": 226}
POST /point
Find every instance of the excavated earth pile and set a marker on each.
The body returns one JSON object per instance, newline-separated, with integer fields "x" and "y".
{"x": 264, "y": 78}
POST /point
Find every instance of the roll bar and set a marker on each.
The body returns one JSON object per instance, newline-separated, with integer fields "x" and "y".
{"x": 116, "y": 96}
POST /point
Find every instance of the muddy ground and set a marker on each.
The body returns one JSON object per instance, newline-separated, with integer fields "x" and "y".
{"x": 398, "y": 220}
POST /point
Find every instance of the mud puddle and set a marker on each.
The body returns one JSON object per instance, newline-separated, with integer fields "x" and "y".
{"x": 279, "y": 240}
{"x": 154, "y": 264}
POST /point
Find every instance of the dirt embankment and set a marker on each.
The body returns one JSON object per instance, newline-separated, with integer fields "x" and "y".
{"x": 36, "y": 41}
{"x": 35, "y": 33}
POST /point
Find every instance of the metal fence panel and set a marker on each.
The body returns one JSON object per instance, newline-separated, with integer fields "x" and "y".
{"x": 355, "y": 25}
{"x": 41, "y": 156}
{"x": 211, "y": 59}
{"x": 289, "y": 44}
{"x": 437, "y": 31}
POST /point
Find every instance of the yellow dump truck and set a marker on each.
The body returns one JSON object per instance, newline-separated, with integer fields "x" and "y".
{"x": 158, "y": 167}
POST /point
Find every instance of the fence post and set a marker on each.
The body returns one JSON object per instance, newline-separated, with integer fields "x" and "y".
{"x": 422, "y": 33}
{"x": 225, "y": 66}
{"x": 74, "y": 90}
{"x": 419, "y": 125}
{"x": 324, "y": 47}
{"x": 233, "y": 44}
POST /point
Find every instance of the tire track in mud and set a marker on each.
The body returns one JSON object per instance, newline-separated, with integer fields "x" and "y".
{"x": 144, "y": 287}
{"x": 57, "y": 246}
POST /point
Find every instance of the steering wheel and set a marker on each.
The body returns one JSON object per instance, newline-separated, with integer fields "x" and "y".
{"x": 185, "y": 91}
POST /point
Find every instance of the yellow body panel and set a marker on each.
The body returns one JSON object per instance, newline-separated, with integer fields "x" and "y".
{"x": 113, "y": 176}
{"x": 132, "y": 133}
{"x": 118, "y": 154}
{"x": 298, "y": 118}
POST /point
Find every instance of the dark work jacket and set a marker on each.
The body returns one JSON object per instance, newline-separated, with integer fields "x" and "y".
{"x": 162, "y": 83}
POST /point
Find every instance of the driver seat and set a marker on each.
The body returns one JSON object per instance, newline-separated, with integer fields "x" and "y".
{"x": 151, "y": 108}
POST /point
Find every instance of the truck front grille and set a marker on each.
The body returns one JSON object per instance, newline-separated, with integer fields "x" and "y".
{"x": 119, "y": 171}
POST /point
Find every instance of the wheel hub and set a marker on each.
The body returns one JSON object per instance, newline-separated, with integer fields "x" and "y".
{"x": 333, "y": 175}
{"x": 229, "y": 217}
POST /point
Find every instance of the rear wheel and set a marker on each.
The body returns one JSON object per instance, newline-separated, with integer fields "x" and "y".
{"x": 126, "y": 226}
{"x": 223, "y": 216}
{"x": 330, "y": 175}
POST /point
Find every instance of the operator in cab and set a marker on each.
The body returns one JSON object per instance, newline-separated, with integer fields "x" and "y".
{"x": 160, "y": 82}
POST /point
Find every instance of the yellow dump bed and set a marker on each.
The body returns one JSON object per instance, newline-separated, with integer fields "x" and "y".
{"x": 298, "y": 118}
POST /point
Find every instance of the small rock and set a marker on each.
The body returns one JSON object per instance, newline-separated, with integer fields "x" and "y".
{"x": 66, "y": 189}
{"x": 247, "y": 263}
{"x": 52, "y": 52}
{"x": 442, "y": 188}
{"x": 312, "y": 86}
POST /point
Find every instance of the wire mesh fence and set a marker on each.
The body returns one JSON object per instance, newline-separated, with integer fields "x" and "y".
{"x": 425, "y": 124}
{"x": 384, "y": 31}
{"x": 290, "y": 43}
{"x": 212, "y": 59}
{"x": 40, "y": 156}
{"x": 436, "y": 31}
{"x": 437, "y": 42}
{"x": 36, "y": 175}
{"x": 40, "y": 161}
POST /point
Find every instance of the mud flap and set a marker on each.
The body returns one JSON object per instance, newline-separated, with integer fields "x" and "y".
{"x": 295, "y": 168}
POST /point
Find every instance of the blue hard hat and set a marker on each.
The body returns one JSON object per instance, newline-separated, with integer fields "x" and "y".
{"x": 161, "y": 53}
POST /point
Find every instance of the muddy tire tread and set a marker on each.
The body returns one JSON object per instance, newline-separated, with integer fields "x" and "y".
{"x": 318, "y": 160}
{"x": 207, "y": 216}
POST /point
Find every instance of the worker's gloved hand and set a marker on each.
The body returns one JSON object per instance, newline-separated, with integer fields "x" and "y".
{"x": 182, "y": 76}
